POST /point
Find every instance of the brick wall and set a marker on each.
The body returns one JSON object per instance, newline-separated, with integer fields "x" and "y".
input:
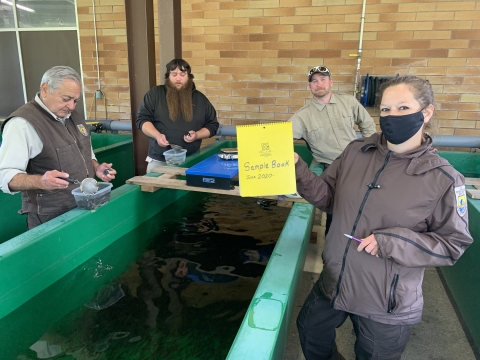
{"x": 251, "y": 57}
{"x": 112, "y": 58}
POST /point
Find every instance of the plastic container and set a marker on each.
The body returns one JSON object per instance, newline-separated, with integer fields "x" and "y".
{"x": 174, "y": 157}
{"x": 91, "y": 202}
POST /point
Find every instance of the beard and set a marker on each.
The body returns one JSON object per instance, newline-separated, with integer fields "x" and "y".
{"x": 179, "y": 101}
{"x": 321, "y": 93}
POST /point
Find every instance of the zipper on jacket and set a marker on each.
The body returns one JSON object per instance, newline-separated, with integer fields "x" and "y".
{"x": 392, "y": 301}
{"x": 372, "y": 185}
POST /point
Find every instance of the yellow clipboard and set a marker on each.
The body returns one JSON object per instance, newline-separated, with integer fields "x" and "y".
{"x": 265, "y": 159}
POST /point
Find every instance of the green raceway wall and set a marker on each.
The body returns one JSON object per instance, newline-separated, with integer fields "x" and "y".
{"x": 37, "y": 259}
{"x": 109, "y": 148}
{"x": 463, "y": 279}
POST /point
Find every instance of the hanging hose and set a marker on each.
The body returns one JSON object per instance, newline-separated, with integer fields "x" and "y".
{"x": 104, "y": 102}
{"x": 96, "y": 41}
{"x": 359, "y": 53}
{"x": 99, "y": 94}
{"x": 94, "y": 103}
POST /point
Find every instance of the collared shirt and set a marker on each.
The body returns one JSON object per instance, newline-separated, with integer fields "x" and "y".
{"x": 329, "y": 128}
{"x": 20, "y": 143}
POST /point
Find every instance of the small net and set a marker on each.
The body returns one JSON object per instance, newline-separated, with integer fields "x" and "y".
{"x": 89, "y": 186}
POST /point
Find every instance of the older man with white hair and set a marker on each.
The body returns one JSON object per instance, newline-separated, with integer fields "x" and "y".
{"x": 44, "y": 141}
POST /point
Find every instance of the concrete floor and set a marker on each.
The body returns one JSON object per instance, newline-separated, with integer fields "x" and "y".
{"x": 439, "y": 336}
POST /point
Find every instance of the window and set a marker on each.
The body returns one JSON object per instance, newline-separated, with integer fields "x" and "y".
{"x": 35, "y": 37}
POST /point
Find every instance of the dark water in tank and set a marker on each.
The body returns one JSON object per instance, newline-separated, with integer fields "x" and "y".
{"x": 176, "y": 287}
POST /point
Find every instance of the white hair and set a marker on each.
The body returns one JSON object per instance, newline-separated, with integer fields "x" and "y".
{"x": 54, "y": 77}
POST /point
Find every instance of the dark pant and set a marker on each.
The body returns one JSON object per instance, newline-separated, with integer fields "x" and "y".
{"x": 33, "y": 220}
{"x": 317, "y": 322}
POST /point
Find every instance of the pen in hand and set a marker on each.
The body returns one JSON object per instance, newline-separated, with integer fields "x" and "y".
{"x": 353, "y": 238}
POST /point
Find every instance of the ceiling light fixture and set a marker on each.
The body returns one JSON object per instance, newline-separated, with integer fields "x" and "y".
{"x": 21, "y": 7}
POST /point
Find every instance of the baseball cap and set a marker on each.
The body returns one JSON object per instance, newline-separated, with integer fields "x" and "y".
{"x": 318, "y": 69}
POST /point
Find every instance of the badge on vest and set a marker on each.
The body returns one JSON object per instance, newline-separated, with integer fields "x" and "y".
{"x": 82, "y": 130}
{"x": 461, "y": 196}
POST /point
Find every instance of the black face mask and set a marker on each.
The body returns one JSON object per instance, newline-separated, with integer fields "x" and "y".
{"x": 398, "y": 129}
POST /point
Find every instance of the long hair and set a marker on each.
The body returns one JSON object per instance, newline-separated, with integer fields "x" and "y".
{"x": 180, "y": 64}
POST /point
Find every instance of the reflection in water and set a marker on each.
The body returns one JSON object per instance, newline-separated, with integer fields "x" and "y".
{"x": 185, "y": 295}
{"x": 106, "y": 297}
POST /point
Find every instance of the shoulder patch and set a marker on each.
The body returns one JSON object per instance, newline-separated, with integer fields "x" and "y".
{"x": 461, "y": 197}
{"x": 82, "y": 129}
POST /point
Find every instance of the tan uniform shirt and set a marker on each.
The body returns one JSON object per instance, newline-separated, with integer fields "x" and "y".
{"x": 329, "y": 128}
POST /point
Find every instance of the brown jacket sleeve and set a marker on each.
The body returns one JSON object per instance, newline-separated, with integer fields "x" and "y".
{"x": 444, "y": 242}
{"x": 313, "y": 188}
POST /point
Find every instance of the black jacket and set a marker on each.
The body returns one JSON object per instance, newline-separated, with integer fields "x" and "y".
{"x": 154, "y": 109}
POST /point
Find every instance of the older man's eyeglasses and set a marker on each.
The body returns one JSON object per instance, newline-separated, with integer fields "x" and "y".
{"x": 321, "y": 69}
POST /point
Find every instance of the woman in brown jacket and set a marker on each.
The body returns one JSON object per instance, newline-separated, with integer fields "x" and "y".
{"x": 406, "y": 208}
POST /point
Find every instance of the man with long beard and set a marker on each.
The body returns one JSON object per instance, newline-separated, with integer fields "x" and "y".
{"x": 175, "y": 113}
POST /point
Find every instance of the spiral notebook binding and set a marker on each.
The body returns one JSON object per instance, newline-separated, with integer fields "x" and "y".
{"x": 263, "y": 124}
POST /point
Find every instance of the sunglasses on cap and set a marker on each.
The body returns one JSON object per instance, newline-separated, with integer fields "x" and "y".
{"x": 319, "y": 69}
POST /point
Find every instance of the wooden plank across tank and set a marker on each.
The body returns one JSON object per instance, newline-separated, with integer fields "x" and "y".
{"x": 473, "y": 193}
{"x": 472, "y": 181}
{"x": 169, "y": 180}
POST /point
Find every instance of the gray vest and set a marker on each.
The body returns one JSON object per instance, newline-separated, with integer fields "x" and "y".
{"x": 66, "y": 148}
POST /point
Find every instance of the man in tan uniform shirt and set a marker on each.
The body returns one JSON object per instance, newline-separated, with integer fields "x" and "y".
{"x": 327, "y": 122}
